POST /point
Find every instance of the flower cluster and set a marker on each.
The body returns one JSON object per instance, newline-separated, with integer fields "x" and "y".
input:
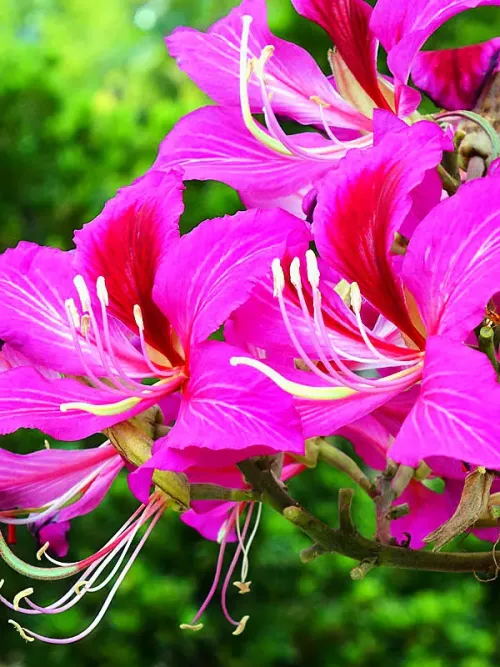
{"x": 356, "y": 296}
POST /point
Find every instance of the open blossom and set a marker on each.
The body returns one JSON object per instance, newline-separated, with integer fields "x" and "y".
{"x": 136, "y": 302}
{"x": 245, "y": 69}
{"x": 428, "y": 306}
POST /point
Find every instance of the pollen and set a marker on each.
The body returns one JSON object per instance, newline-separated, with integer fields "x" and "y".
{"x": 20, "y": 596}
{"x": 241, "y": 626}
{"x": 242, "y": 586}
{"x": 193, "y": 628}
{"x": 356, "y": 300}
{"x": 80, "y": 587}
{"x": 21, "y": 630}
{"x": 295, "y": 273}
{"x": 139, "y": 320}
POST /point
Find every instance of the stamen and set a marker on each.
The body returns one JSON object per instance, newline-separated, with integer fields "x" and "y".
{"x": 103, "y": 410}
{"x": 20, "y": 596}
{"x": 73, "y": 312}
{"x": 41, "y": 552}
{"x": 85, "y": 325}
{"x": 278, "y": 276}
{"x": 138, "y": 317}
{"x": 241, "y": 626}
{"x": 102, "y": 292}
{"x": 313, "y": 274}
{"x": 83, "y": 293}
{"x": 243, "y": 586}
{"x": 22, "y": 631}
{"x": 193, "y": 628}
{"x": 246, "y": 561}
{"x": 296, "y": 389}
{"x": 246, "y": 69}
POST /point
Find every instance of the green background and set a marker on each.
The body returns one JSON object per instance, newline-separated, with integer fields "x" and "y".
{"x": 87, "y": 91}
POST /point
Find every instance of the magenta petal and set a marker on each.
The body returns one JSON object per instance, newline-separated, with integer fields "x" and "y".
{"x": 29, "y": 400}
{"x": 451, "y": 266}
{"x": 363, "y": 204}
{"x": 33, "y": 480}
{"x": 56, "y": 534}
{"x": 127, "y": 243}
{"x": 233, "y": 408}
{"x": 325, "y": 418}
{"x": 454, "y": 78}
{"x": 456, "y": 414}
{"x": 212, "y": 60}
{"x": 214, "y": 268}
{"x": 209, "y": 519}
{"x": 213, "y": 144}
{"x": 347, "y": 23}
{"x": 34, "y": 283}
{"x": 428, "y": 511}
{"x": 404, "y": 26}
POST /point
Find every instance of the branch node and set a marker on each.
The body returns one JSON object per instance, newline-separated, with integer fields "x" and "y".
{"x": 363, "y": 569}
{"x": 311, "y": 553}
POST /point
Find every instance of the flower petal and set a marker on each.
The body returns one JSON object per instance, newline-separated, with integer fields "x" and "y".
{"x": 29, "y": 400}
{"x": 229, "y": 410}
{"x": 347, "y": 23}
{"x": 33, "y": 480}
{"x": 403, "y": 27}
{"x": 127, "y": 243}
{"x": 454, "y": 78}
{"x": 456, "y": 414}
{"x": 364, "y": 203}
{"x": 212, "y": 60}
{"x": 214, "y": 268}
{"x": 451, "y": 266}
{"x": 35, "y": 282}
{"x": 214, "y": 144}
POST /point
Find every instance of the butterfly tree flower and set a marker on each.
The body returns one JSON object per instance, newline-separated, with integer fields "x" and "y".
{"x": 247, "y": 70}
{"x": 136, "y": 303}
{"x": 434, "y": 301}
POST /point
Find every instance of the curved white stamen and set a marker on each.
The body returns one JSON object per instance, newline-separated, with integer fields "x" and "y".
{"x": 105, "y": 409}
{"x": 294, "y": 388}
{"x": 245, "y": 563}
{"x": 246, "y": 69}
{"x": 139, "y": 320}
{"x": 20, "y": 596}
{"x": 295, "y": 278}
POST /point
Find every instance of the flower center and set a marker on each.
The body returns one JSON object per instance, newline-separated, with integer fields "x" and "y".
{"x": 90, "y": 334}
{"x": 330, "y": 362}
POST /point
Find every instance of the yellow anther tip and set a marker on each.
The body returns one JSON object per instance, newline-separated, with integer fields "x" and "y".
{"x": 21, "y": 631}
{"x": 243, "y": 586}
{"x": 41, "y": 552}
{"x": 193, "y": 628}
{"x": 20, "y": 596}
{"x": 241, "y": 626}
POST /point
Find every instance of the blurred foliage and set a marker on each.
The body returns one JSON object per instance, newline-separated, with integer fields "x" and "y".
{"x": 87, "y": 92}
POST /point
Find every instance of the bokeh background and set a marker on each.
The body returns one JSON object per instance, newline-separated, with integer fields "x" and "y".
{"x": 87, "y": 91}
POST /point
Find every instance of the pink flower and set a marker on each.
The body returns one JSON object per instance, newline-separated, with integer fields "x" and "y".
{"x": 422, "y": 310}
{"x": 245, "y": 69}
{"x": 136, "y": 302}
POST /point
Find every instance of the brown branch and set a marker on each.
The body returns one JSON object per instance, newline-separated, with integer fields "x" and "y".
{"x": 354, "y": 545}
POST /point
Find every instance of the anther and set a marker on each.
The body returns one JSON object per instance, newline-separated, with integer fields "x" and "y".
{"x": 41, "y": 552}
{"x": 21, "y": 630}
{"x": 241, "y": 626}
{"x": 261, "y": 61}
{"x": 242, "y": 586}
{"x": 312, "y": 269}
{"x": 356, "y": 300}
{"x": 46, "y": 444}
{"x": 20, "y": 596}
{"x": 83, "y": 292}
{"x": 139, "y": 320}
{"x": 80, "y": 587}
{"x": 85, "y": 325}
{"x": 278, "y": 277}
{"x": 295, "y": 273}
{"x": 73, "y": 312}
{"x": 102, "y": 292}
{"x": 319, "y": 101}
{"x": 193, "y": 628}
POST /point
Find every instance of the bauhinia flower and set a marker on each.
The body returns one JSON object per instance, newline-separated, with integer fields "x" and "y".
{"x": 123, "y": 323}
{"x": 247, "y": 70}
{"x": 429, "y": 306}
